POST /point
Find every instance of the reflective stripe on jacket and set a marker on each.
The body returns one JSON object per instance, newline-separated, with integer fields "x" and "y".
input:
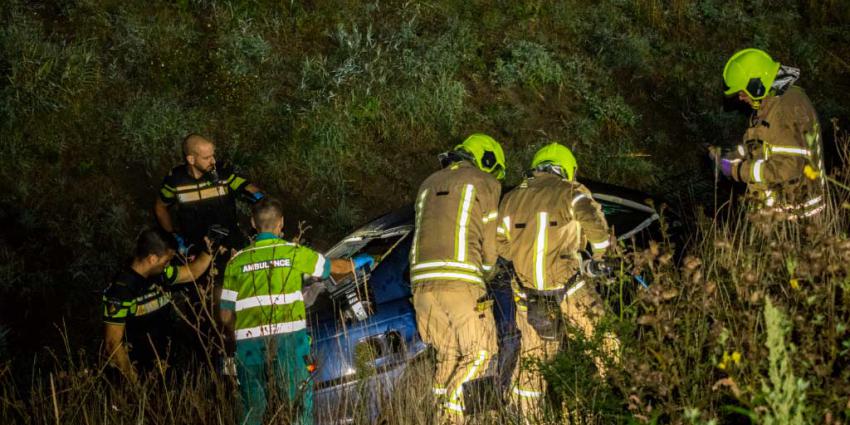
{"x": 455, "y": 238}
{"x": 262, "y": 285}
{"x": 201, "y": 202}
{"x": 781, "y": 159}
{"x": 544, "y": 223}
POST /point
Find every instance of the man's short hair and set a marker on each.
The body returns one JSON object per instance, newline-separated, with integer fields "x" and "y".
{"x": 191, "y": 141}
{"x": 266, "y": 213}
{"x": 154, "y": 242}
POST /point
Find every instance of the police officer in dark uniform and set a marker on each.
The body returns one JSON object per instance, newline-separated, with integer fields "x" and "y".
{"x": 204, "y": 195}
{"x": 137, "y": 307}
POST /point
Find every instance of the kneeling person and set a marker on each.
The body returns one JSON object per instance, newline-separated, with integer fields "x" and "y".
{"x": 263, "y": 309}
{"x": 137, "y": 305}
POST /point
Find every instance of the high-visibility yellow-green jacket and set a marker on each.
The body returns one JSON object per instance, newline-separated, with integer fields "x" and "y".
{"x": 455, "y": 238}
{"x": 262, "y": 285}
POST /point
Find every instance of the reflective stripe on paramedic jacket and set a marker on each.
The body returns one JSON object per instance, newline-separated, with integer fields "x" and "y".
{"x": 543, "y": 225}
{"x": 456, "y": 217}
{"x": 782, "y": 142}
{"x": 262, "y": 284}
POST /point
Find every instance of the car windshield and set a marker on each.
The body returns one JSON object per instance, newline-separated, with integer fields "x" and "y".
{"x": 628, "y": 217}
{"x": 329, "y": 298}
{"x": 372, "y": 242}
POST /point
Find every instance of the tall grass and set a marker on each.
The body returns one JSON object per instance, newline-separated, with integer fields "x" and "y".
{"x": 340, "y": 109}
{"x": 751, "y": 324}
{"x": 785, "y": 394}
{"x": 698, "y": 344}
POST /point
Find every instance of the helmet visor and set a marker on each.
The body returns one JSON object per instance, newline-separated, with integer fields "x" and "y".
{"x": 498, "y": 172}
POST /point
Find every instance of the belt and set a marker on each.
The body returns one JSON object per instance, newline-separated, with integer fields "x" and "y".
{"x": 569, "y": 287}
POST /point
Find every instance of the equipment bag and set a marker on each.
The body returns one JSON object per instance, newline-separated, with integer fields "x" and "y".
{"x": 544, "y": 312}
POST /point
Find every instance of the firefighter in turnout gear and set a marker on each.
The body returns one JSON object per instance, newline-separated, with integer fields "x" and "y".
{"x": 781, "y": 157}
{"x": 262, "y": 309}
{"x": 454, "y": 249}
{"x": 543, "y": 225}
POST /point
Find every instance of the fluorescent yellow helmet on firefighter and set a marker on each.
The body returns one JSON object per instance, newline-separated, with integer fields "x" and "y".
{"x": 751, "y": 71}
{"x": 558, "y": 157}
{"x": 486, "y": 153}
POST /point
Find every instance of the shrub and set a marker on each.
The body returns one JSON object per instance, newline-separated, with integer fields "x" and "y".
{"x": 785, "y": 394}
{"x": 340, "y": 108}
{"x": 528, "y": 64}
{"x": 150, "y": 130}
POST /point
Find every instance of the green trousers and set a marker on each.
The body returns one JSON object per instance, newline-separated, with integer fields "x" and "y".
{"x": 275, "y": 368}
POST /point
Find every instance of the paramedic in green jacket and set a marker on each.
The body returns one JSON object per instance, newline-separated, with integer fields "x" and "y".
{"x": 262, "y": 309}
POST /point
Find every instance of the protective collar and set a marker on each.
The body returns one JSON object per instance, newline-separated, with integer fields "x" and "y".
{"x": 785, "y": 77}
{"x": 265, "y": 235}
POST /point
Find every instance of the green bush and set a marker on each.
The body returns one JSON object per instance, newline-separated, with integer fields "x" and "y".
{"x": 149, "y": 127}
{"x": 340, "y": 108}
{"x": 785, "y": 395}
{"x": 528, "y": 64}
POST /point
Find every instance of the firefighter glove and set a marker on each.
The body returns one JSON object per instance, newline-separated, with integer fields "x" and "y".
{"x": 725, "y": 166}
{"x": 597, "y": 268}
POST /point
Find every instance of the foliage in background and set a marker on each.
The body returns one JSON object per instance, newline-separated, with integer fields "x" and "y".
{"x": 750, "y": 327}
{"x": 340, "y": 109}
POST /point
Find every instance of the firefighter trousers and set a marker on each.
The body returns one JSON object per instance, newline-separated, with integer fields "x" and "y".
{"x": 463, "y": 334}
{"x": 581, "y": 311}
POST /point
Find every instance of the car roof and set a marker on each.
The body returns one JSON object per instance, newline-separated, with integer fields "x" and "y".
{"x": 636, "y": 212}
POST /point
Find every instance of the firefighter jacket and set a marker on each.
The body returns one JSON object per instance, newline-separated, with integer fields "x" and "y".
{"x": 543, "y": 224}
{"x": 781, "y": 158}
{"x": 455, "y": 237}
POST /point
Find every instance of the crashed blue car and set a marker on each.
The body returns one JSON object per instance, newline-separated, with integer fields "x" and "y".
{"x": 364, "y": 325}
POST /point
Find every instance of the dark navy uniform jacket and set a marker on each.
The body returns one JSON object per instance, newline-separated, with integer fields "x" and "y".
{"x": 203, "y": 202}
